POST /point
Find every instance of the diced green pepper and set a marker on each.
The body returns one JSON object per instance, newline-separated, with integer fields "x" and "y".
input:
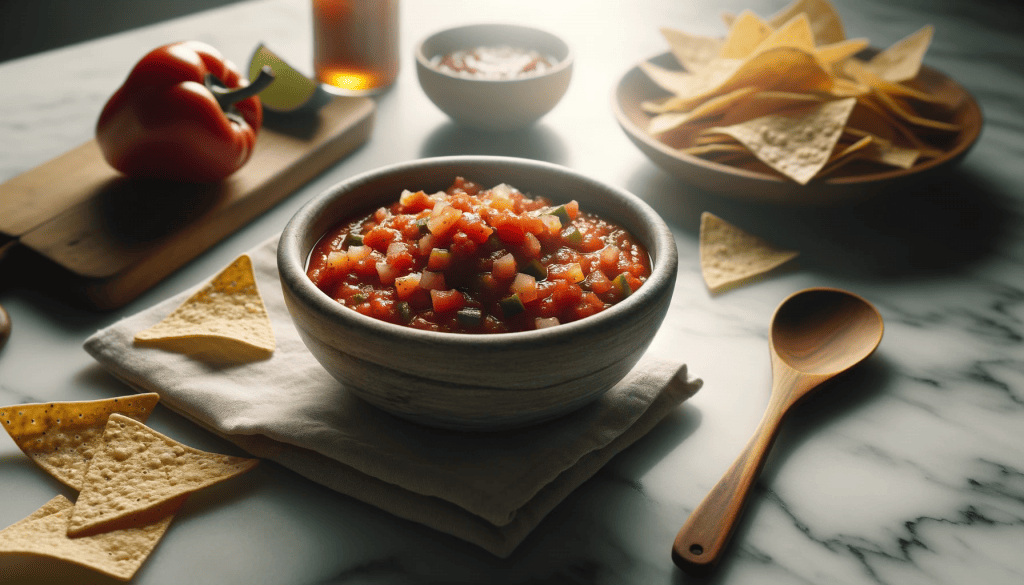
{"x": 422, "y": 225}
{"x": 511, "y": 305}
{"x": 404, "y": 311}
{"x": 353, "y": 240}
{"x": 358, "y": 298}
{"x": 562, "y": 213}
{"x": 469, "y": 317}
{"x": 622, "y": 285}
{"x": 572, "y": 236}
{"x": 535, "y": 269}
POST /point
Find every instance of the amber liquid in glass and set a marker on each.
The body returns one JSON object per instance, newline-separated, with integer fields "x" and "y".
{"x": 355, "y": 44}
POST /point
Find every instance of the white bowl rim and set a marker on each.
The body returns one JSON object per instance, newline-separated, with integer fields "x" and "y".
{"x": 566, "y": 63}
{"x": 291, "y": 264}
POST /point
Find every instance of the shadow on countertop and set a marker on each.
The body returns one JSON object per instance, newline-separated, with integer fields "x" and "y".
{"x": 40, "y": 25}
{"x": 941, "y": 224}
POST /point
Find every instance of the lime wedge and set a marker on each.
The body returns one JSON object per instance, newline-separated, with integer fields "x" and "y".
{"x": 290, "y": 91}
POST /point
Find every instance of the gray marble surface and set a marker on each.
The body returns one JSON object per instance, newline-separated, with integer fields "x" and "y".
{"x": 908, "y": 470}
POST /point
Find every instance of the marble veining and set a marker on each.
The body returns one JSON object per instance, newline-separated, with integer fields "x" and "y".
{"x": 907, "y": 470}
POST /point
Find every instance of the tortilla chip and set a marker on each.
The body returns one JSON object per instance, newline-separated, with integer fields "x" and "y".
{"x": 796, "y": 142}
{"x": 716, "y": 105}
{"x": 62, "y": 437}
{"x": 822, "y": 15}
{"x": 225, "y": 320}
{"x": 139, "y": 470}
{"x": 835, "y": 53}
{"x": 730, "y": 257}
{"x": 903, "y": 111}
{"x": 902, "y": 60}
{"x": 795, "y": 33}
{"x": 713, "y": 148}
{"x": 859, "y": 71}
{"x": 692, "y": 51}
{"x": 118, "y": 554}
{"x": 746, "y": 33}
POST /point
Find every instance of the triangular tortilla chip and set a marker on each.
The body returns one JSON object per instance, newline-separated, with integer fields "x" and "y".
{"x": 796, "y": 142}
{"x": 670, "y": 120}
{"x": 225, "y": 320}
{"x": 795, "y": 33}
{"x": 745, "y": 34}
{"x": 834, "y": 53}
{"x": 823, "y": 17}
{"x": 118, "y": 554}
{"x": 902, "y": 60}
{"x": 61, "y": 437}
{"x": 692, "y": 51}
{"x": 729, "y": 256}
{"x": 138, "y": 470}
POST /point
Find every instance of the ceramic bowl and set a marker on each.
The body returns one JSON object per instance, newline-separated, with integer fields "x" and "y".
{"x": 473, "y": 381}
{"x": 494, "y": 104}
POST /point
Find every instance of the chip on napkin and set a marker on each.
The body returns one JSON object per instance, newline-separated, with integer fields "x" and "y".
{"x": 225, "y": 320}
{"x": 138, "y": 471}
{"x": 730, "y": 256}
{"x": 61, "y": 437}
{"x": 118, "y": 554}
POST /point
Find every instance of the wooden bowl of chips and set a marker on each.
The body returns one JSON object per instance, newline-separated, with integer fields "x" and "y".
{"x": 476, "y": 381}
{"x": 800, "y": 119}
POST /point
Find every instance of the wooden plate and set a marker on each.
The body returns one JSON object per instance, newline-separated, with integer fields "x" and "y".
{"x": 635, "y": 88}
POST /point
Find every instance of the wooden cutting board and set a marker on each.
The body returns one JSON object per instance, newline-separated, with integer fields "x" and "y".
{"x": 116, "y": 237}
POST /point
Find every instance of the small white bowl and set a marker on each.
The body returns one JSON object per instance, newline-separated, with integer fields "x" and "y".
{"x": 494, "y": 104}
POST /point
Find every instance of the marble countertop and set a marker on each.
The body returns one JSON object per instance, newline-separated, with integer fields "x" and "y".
{"x": 908, "y": 470}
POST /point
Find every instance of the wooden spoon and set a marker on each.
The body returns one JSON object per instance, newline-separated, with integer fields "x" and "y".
{"x": 815, "y": 334}
{"x": 5, "y": 326}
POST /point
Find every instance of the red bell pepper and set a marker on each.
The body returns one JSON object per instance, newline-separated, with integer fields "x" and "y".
{"x": 184, "y": 113}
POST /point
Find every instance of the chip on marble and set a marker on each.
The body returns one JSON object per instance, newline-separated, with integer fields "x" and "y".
{"x": 62, "y": 437}
{"x": 118, "y": 554}
{"x": 138, "y": 471}
{"x": 730, "y": 256}
{"x": 224, "y": 321}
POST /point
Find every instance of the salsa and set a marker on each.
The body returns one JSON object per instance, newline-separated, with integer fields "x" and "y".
{"x": 475, "y": 260}
{"x": 502, "y": 62}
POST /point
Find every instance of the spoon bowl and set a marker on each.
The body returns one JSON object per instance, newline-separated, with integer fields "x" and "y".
{"x": 816, "y": 334}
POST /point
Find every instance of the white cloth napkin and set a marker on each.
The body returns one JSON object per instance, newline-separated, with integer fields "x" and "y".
{"x": 490, "y": 489}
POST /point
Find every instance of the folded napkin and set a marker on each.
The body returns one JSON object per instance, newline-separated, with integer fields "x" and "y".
{"x": 490, "y": 489}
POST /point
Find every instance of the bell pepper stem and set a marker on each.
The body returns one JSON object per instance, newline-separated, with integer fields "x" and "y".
{"x": 227, "y": 97}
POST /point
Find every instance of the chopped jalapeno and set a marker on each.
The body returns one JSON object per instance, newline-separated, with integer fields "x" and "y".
{"x": 512, "y": 305}
{"x": 535, "y": 269}
{"x": 470, "y": 318}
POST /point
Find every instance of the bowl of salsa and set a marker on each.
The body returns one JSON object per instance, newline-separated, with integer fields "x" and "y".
{"x": 494, "y": 77}
{"x": 477, "y": 293}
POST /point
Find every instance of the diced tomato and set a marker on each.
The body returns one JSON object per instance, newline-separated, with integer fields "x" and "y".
{"x": 573, "y": 208}
{"x": 462, "y": 245}
{"x": 415, "y": 202}
{"x": 511, "y": 233}
{"x": 446, "y": 300}
{"x": 379, "y": 238}
{"x": 531, "y": 246}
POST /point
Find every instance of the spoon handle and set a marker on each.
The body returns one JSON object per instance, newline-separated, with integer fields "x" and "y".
{"x": 700, "y": 542}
